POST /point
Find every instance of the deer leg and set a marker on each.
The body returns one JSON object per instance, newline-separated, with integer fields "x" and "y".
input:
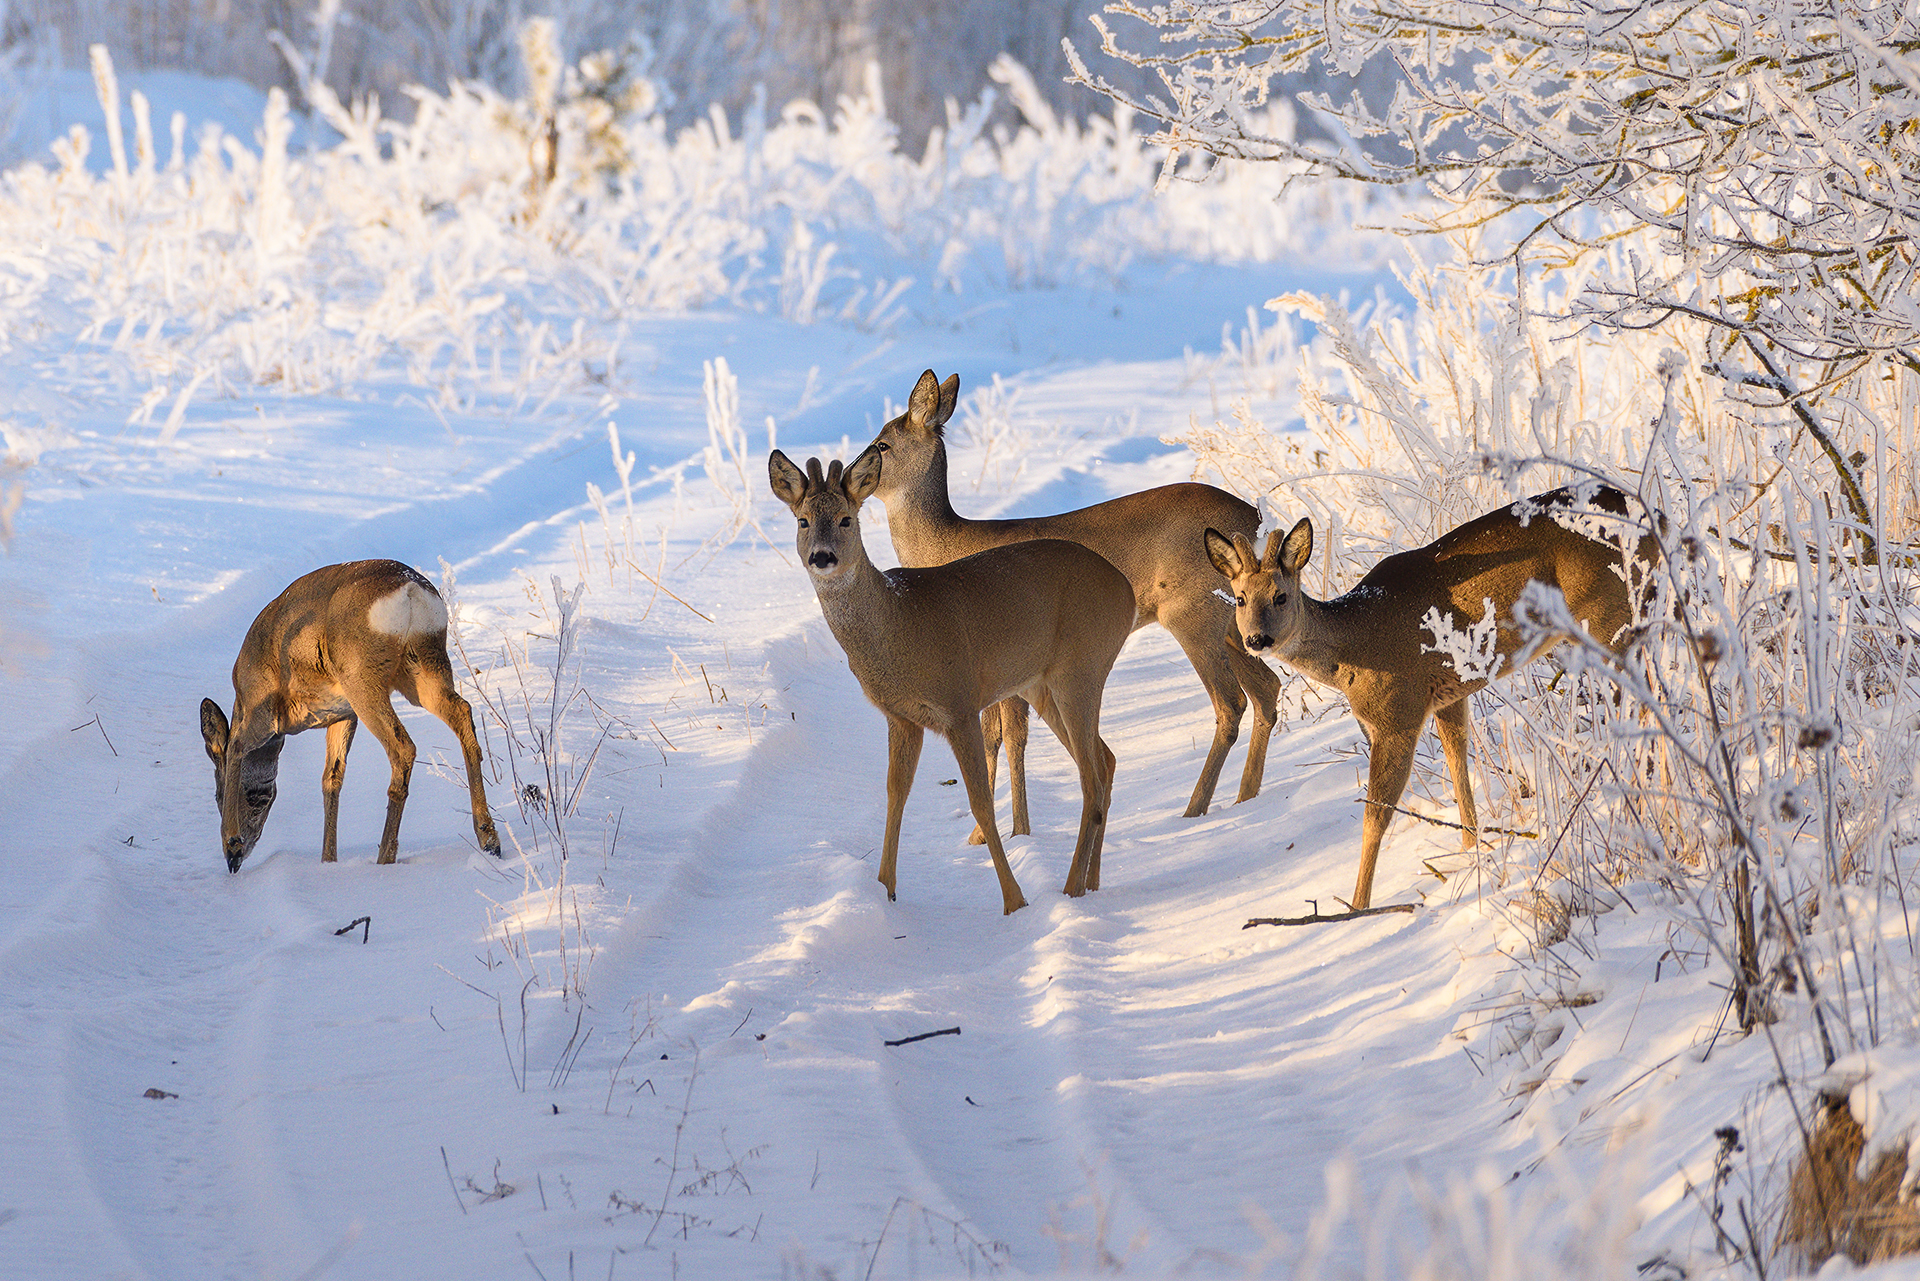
{"x": 1013, "y": 725}
{"x": 1107, "y": 762}
{"x": 339, "y": 741}
{"x": 1199, "y": 632}
{"x": 903, "y": 758}
{"x": 1077, "y": 725}
{"x": 375, "y": 708}
{"x": 969, "y": 751}
{"x": 1262, "y": 687}
{"x": 438, "y": 695}
{"x": 1390, "y": 762}
{"x": 1451, "y": 722}
{"x": 990, "y": 735}
{"x": 1006, "y": 721}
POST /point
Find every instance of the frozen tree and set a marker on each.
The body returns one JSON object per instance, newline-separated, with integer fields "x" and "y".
{"x": 1769, "y": 148}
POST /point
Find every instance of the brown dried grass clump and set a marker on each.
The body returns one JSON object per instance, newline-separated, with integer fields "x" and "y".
{"x": 1831, "y": 1210}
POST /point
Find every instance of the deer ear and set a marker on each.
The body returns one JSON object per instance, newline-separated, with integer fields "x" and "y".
{"x": 213, "y": 728}
{"x": 1224, "y": 555}
{"x": 863, "y": 477}
{"x": 949, "y": 398}
{"x": 789, "y": 482}
{"x": 923, "y": 407}
{"x": 1295, "y": 550}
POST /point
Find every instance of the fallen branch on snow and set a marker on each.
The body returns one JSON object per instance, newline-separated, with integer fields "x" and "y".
{"x": 1317, "y": 917}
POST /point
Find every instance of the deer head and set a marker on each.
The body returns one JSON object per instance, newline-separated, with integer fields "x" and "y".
{"x": 244, "y": 784}
{"x": 1266, "y": 588}
{"x": 826, "y": 503}
{"x": 914, "y": 442}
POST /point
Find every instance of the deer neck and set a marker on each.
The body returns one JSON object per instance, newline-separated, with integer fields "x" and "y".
{"x": 859, "y": 604}
{"x": 920, "y": 515}
{"x": 1322, "y": 642}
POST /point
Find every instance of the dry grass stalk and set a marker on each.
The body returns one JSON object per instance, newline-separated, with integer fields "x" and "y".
{"x": 1831, "y": 1210}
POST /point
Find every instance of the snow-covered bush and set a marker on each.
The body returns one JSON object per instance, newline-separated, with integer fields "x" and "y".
{"x": 1766, "y": 152}
{"x": 1747, "y": 768}
{"x": 493, "y": 250}
{"x": 1676, "y": 257}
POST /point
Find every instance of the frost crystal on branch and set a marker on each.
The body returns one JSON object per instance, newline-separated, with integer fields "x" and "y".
{"x": 1767, "y": 151}
{"x": 1474, "y": 652}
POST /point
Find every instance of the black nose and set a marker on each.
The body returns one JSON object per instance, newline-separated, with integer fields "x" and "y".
{"x": 236, "y": 854}
{"x": 823, "y": 560}
{"x": 1258, "y": 642}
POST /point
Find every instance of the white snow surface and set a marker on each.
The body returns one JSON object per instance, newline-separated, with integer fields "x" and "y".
{"x": 667, "y": 1055}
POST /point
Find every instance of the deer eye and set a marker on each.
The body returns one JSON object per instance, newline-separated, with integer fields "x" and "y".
{"x": 1281, "y": 599}
{"x": 881, "y": 446}
{"x": 845, "y": 521}
{"x": 803, "y": 522}
{"x": 1239, "y": 600}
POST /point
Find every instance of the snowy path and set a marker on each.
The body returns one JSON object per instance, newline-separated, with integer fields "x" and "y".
{"x": 1136, "y": 1078}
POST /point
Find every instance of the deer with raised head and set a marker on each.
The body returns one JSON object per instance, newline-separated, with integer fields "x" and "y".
{"x": 932, "y": 647}
{"x": 332, "y": 650}
{"x": 1153, "y": 537}
{"x": 1370, "y": 645}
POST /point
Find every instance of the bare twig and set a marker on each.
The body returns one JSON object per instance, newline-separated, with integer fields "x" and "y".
{"x": 448, "y": 1166}
{"x": 909, "y": 1040}
{"x": 1318, "y": 917}
{"x": 103, "y": 732}
{"x": 1458, "y": 827}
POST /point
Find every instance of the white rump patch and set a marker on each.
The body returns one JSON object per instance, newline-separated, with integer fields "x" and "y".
{"x": 408, "y": 610}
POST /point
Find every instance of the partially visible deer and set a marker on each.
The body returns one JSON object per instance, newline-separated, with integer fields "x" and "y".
{"x": 932, "y": 647}
{"x": 1371, "y": 645}
{"x": 333, "y": 649}
{"x": 1153, "y": 537}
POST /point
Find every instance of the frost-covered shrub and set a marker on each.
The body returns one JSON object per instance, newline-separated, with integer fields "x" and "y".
{"x": 493, "y": 249}
{"x": 1748, "y": 766}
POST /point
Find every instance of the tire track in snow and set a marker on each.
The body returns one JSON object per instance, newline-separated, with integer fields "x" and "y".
{"x": 140, "y": 948}
{"x": 152, "y": 967}
{"x": 775, "y": 910}
{"x": 146, "y": 967}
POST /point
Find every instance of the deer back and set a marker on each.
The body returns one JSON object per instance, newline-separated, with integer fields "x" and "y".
{"x": 373, "y": 620}
{"x": 987, "y": 626}
{"x": 1153, "y": 537}
{"x": 931, "y": 643}
{"x": 1557, "y": 538}
{"x": 1376, "y": 634}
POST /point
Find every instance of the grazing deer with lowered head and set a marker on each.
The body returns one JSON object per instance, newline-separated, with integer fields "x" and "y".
{"x": 1153, "y": 537}
{"x": 1369, "y": 644}
{"x": 932, "y": 647}
{"x": 333, "y": 649}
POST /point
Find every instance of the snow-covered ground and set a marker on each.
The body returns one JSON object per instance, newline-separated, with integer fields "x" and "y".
{"x": 667, "y": 1053}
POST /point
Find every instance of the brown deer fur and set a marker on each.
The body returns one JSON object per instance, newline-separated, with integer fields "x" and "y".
{"x": 1370, "y": 644}
{"x": 932, "y": 647}
{"x": 332, "y": 650}
{"x": 1152, "y": 537}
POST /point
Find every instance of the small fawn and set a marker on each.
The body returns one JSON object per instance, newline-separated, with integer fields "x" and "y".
{"x": 1368, "y": 643}
{"x": 333, "y": 649}
{"x": 932, "y": 647}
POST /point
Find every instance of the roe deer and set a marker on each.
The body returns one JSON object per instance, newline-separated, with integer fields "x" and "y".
{"x": 1368, "y": 644}
{"x": 932, "y": 647}
{"x": 333, "y": 649}
{"x": 1153, "y": 537}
